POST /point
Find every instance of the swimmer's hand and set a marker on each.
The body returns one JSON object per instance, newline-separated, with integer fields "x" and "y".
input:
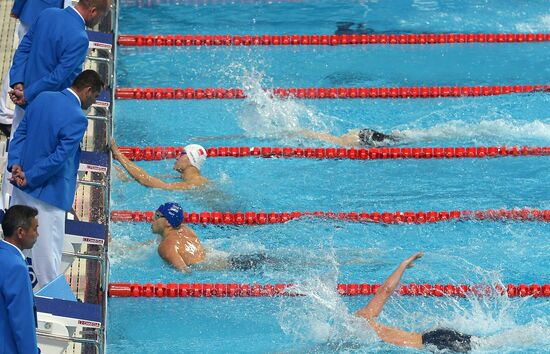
{"x": 408, "y": 263}
{"x": 114, "y": 149}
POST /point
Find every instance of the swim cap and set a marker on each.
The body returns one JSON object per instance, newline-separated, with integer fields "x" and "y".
{"x": 172, "y": 212}
{"x": 196, "y": 155}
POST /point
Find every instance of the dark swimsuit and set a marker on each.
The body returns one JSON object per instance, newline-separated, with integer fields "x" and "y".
{"x": 447, "y": 339}
{"x": 247, "y": 261}
{"x": 369, "y": 137}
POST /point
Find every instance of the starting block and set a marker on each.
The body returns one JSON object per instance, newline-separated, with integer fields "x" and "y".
{"x": 78, "y": 233}
{"x": 61, "y": 322}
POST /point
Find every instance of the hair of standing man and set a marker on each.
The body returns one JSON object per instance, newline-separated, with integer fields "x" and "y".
{"x": 88, "y": 78}
{"x": 100, "y": 5}
{"x": 17, "y": 216}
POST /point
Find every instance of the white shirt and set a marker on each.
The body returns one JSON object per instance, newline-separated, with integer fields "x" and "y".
{"x": 14, "y": 246}
{"x": 75, "y": 95}
{"x": 78, "y": 14}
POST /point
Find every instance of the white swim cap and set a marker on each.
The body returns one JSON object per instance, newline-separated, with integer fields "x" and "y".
{"x": 196, "y": 154}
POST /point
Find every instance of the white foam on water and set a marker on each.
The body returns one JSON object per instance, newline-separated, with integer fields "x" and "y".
{"x": 322, "y": 316}
{"x": 498, "y": 130}
{"x": 267, "y": 116}
{"x": 541, "y": 24}
{"x": 123, "y": 248}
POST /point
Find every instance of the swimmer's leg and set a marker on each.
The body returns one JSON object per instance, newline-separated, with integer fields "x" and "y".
{"x": 248, "y": 261}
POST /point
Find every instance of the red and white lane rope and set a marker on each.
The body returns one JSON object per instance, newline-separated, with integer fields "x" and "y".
{"x": 149, "y": 153}
{"x": 169, "y": 93}
{"x": 258, "y": 290}
{"x": 396, "y": 217}
{"x": 324, "y": 39}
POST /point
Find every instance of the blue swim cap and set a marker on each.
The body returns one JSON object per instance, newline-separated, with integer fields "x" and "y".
{"x": 172, "y": 212}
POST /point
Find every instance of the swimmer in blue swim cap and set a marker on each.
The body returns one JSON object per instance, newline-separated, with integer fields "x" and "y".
{"x": 179, "y": 245}
{"x": 439, "y": 339}
{"x": 181, "y": 248}
{"x": 189, "y": 166}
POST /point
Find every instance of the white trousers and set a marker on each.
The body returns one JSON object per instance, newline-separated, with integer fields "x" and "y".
{"x": 6, "y": 114}
{"x": 15, "y": 118}
{"x": 46, "y": 253}
{"x": 7, "y": 187}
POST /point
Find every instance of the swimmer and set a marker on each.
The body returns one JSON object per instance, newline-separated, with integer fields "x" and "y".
{"x": 181, "y": 248}
{"x": 355, "y": 137}
{"x": 188, "y": 165}
{"x": 440, "y": 338}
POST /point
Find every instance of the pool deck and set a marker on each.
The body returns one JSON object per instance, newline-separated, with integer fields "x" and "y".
{"x": 76, "y": 274}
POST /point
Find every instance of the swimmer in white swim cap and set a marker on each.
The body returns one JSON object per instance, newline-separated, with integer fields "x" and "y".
{"x": 196, "y": 155}
{"x": 188, "y": 164}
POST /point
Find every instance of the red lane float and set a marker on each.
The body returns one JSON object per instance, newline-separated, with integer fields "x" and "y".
{"x": 187, "y": 40}
{"x": 148, "y": 153}
{"x": 359, "y": 289}
{"x": 385, "y": 217}
{"x": 160, "y": 93}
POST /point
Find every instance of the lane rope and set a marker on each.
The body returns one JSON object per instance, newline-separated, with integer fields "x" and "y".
{"x": 386, "y": 217}
{"x": 148, "y": 153}
{"x": 169, "y": 93}
{"x": 324, "y": 39}
{"x": 363, "y": 289}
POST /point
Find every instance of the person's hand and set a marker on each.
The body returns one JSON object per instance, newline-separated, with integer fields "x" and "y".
{"x": 21, "y": 180}
{"x": 114, "y": 148}
{"x": 409, "y": 261}
{"x": 16, "y": 169}
{"x": 18, "y": 176}
{"x": 17, "y": 96}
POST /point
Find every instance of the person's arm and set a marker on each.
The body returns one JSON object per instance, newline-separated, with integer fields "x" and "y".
{"x": 71, "y": 59}
{"x": 142, "y": 177}
{"x": 320, "y": 136}
{"x": 17, "y": 7}
{"x": 18, "y": 141}
{"x": 17, "y": 70}
{"x": 19, "y": 307}
{"x": 348, "y": 139}
{"x": 375, "y": 306}
{"x": 69, "y": 139}
{"x": 175, "y": 259}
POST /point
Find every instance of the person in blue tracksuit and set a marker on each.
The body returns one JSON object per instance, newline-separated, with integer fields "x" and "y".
{"x": 51, "y": 54}
{"x": 17, "y": 311}
{"x": 43, "y": 158}
{"x": 26, "y": 11}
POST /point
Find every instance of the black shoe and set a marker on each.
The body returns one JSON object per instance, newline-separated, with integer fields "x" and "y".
{"x": 5, "y": 129}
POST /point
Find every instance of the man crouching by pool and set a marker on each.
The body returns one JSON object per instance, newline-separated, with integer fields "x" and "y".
{"x": 181, "y": 248}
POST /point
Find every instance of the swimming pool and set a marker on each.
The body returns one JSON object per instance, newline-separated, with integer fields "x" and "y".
{"x": 318, "y": 253}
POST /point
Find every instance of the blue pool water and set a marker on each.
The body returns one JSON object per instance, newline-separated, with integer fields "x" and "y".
{"x": 316, "y": 253}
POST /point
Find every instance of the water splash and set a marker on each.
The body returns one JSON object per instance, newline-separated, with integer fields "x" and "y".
{"x": 123, "y": 248}
{"x": 540, "y": 24}
{"x": 496, "y": 322}
{"x": 268, "y": 116}
{"x": 321, "y": 316}
{"x": 498, "y": 130}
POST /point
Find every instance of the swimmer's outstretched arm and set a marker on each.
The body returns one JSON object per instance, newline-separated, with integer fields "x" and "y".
{"x": 375, "y": 306}
{"x": 348, "y": 139}
{"x": 141, "y": 176}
